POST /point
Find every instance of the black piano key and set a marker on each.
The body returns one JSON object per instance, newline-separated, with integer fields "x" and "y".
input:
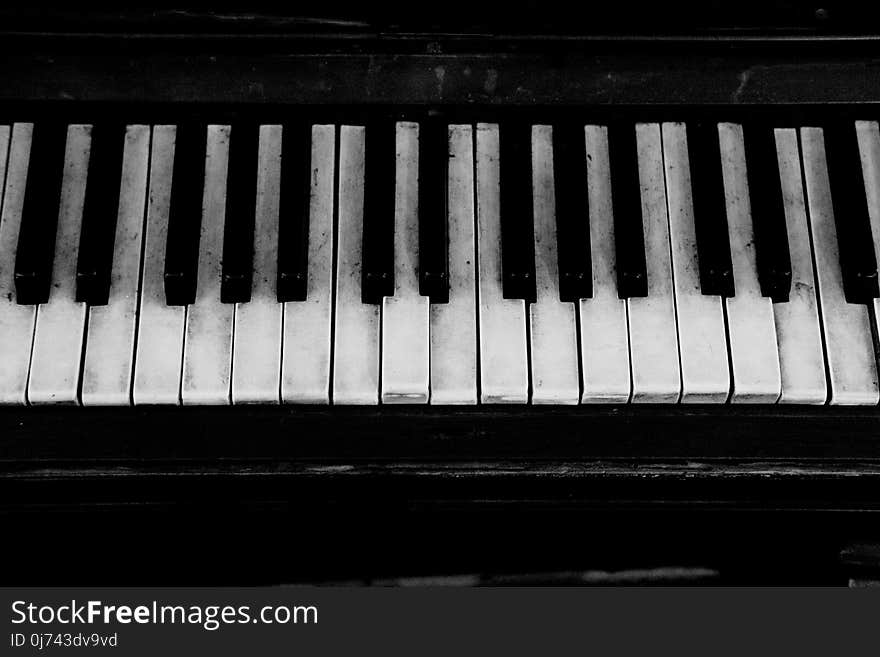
{"x": 517, "y": 212}
{"x": 848, "y": 196}
{"x": 772, "y": 254}
{"x": 241, "y": 203}
{"x": 380, "y": 168}
{"x": 39, "y": 219}
{"x": 572, "y": 212}
{"x": 185, "y": 214}
{"x": 100, "y": 209}
{"x": 626, "y": 198}
{"x": 295, "y": 203}
{"x": 710, "y": 210}
{"x": 433, "y": 215}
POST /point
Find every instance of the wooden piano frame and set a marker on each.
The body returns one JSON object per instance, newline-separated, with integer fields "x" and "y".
{"x": 277, "y": 494}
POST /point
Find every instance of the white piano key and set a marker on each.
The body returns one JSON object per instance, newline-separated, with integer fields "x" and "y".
{"x": 109, "y": 356}
{"x": 356, "y": 332}
{"x": 869, "y": 149}
{"x": 504, "y": 374}
{"x": 60, "y": 325}
{"x": 751, "y": 329}
{"x": 801, "y": 355}
{"x": 604, "y": 333}
{"x": 553, "y": 335}
{"x": 405, "y": 350}
{"x": 702, "y": 339}
{"x": 256, "y": 350}
{"x": 5, "y": 137}
{"x": 305, "y": 369}
{"x": 207, "y": 348}
{"x": 454, "y": 324}
{"x": 849, "y": 348}
{"x": 16, "y": 322}
{"x": 652, "y": 326}
{"x": 159, "y": 347}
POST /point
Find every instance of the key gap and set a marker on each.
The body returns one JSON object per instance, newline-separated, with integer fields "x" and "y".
{"x": 828, "y": 390}
{"x": 629, "y": 352}
{"x": 729, "y": 351}
{"x": 182, "y": 356}
{"x": 381, "y": 312}
{"x": 27, "y": 384}
{"x": 82, "y": 356}
{"x": 476, "y": 227}
{"x": 528, "y": 319}
{"x": 232, "y": 355}
{"x": 577, "y": 339}
{"x": 337, "y": 138}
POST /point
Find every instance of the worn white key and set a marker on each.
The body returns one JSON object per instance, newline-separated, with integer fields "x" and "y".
{"x": 454, "y": 324}
{"x": 869, "y": 148}
{"x": 305, "y": 369}
{"x": 207, "y": 349}
{"x": 751, "y": 329}
{"x": 652, "y": 327}
{"x": 356, "y": 332}
{"x": 256, "y": 350}
{"x": 405, "y": 343}
{"x": 849, "y": 349}
{"x": 801, "y": 355}
{"x": 110, "y": 337}
{"x": 702, "y": 339}
{"x": 5, "y": 137}
{"x": 60, "y": 325}
{"x": 604, "y": 332}
{"x": 16, "y": 322}
{"x": 504, "y": 373}
{"x": 159, "y": 348}
{"x": 553, "y": 335}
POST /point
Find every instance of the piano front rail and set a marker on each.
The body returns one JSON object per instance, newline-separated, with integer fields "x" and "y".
{"x": 764, "y": 494}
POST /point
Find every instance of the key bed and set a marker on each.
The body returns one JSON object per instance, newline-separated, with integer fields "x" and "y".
{"x": 309, "y": 263}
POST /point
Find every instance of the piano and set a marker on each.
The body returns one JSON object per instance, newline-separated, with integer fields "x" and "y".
{"x": 359, "y": 294}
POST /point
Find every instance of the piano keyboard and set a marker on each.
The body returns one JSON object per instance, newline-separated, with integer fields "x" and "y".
{"x": 420, "y": 262}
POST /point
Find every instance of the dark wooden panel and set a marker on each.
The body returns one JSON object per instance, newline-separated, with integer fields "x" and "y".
{"x": 725, "y": 456}
{"x": 532, "y": 17}
{"x": 479, "y": 82}
{"x": 444, "y": 433}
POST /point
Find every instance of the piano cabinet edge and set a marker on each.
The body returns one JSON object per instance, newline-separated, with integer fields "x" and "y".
{"x": 586, "y": 457}
{"x": 795, "y": 435}
{"x": 763, "y": 494}
{"x": 484, "y": 83}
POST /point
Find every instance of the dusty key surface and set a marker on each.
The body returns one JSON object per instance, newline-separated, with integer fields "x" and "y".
{"x": 110, "y": 339}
